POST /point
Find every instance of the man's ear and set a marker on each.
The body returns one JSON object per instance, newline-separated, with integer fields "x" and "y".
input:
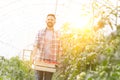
{"x": 46, "y": 21}
{"x": 55, "y": 21}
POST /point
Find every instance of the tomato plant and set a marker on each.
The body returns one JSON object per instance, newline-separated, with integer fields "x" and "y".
{"x": 15, "y": 69}
{"x": 89, "y": 56}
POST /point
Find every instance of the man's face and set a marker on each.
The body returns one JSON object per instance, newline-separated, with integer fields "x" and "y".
{"x": 50, "y": 21}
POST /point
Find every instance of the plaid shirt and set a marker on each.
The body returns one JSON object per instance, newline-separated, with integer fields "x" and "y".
{"x": 55, "y": 46}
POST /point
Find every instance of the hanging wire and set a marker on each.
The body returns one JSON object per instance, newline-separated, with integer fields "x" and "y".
{"x": 7, "y": 44}
{"x": 93, "y": 2}
{"x": 56, "y": 7}
{"x": 116, "y": 12}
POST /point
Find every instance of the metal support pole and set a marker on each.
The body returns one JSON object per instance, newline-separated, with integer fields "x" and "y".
{"x": 56, "y": 6}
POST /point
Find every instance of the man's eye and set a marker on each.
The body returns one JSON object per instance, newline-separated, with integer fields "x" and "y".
{"x": 50, "y": 19}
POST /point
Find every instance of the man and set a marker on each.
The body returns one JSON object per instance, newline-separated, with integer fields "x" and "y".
{"x": 49, "y": 47}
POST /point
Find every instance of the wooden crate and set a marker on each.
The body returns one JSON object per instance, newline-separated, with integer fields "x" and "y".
{"x": 43, "y": 66}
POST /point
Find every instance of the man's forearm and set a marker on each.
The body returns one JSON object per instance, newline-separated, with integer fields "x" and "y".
{"x": 33, "y": 54}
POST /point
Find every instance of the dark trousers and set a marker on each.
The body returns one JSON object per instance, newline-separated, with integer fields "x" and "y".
{"x": 42, "y": 75}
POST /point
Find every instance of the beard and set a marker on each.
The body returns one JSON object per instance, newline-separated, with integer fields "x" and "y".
{"x": 49, "y": 24}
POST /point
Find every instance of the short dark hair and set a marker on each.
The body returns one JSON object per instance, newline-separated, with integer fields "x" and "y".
{"x": 52, "y": 15}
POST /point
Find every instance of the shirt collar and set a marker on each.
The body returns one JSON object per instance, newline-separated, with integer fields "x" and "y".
{"x": 49, "y": 29}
